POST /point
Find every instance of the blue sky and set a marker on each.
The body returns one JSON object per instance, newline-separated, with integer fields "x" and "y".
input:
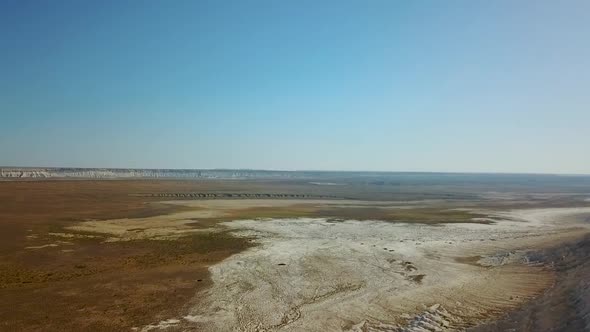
{"x": 480, "y": 86}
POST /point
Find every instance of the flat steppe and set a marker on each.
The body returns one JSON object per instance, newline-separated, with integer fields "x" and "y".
{"x": 112, "y": 255}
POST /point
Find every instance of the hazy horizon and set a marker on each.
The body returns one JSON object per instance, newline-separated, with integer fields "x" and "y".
{"x": 300, "y": 170}
{"x": 461, "y": 87}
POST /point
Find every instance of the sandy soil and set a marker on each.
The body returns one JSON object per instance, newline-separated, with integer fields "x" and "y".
{"x": 175, "y": 225}
{"x": 310, "y": 274}
{"x": 203, "y": 214}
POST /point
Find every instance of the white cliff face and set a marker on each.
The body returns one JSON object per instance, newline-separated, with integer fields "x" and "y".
{"x": 112, "y": 173}
{"x": 15, "y": 173}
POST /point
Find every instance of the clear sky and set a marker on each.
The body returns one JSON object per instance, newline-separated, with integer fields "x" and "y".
{"x": 488, "y": 86}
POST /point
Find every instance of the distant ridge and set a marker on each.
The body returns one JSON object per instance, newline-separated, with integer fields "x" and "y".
{"x": 114, "y": 173}
{"x": 147, "y": 173}
{"x": 368, "y": 176}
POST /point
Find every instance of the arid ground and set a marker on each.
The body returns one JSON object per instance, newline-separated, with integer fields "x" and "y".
{"x": 292, "y": 255}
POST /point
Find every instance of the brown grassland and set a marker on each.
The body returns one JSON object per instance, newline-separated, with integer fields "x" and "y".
{"x": 93, "y": 285}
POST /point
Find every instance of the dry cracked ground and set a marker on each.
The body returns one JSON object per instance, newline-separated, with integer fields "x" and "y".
{"x": 278, "y": 256}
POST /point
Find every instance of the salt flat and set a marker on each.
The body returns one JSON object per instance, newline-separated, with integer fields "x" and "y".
{"x": 314, "y": 274}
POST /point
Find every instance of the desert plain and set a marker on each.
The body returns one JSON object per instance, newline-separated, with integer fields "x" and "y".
{"x": 335, "y": 252}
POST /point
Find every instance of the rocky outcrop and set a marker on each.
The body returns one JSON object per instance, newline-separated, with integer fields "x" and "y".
{"x": 563, "y": 308}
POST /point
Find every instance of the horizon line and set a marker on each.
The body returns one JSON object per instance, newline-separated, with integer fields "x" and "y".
{"x": 300, "y": 170}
